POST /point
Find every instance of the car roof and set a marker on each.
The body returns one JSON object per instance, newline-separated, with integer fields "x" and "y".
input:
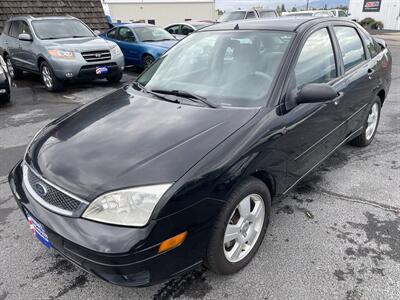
{"x": 134, "y": 25}
{"x": 28, "y": 17}
{"x": 281, "y": 23}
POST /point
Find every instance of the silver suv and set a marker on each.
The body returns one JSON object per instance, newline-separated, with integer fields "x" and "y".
{"x": 60, "y": 49}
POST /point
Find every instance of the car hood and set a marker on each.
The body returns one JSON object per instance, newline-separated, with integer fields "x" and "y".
{"x": 79, "y": 44}
{"x": 162, "y": 44}
{"x": 127, "y": 139}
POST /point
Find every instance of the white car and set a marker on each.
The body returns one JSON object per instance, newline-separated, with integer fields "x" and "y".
{"x": 181, "y": 30}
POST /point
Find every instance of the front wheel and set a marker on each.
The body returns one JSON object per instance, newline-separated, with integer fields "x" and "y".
{"x": 147, "y": 61}
{"x": 240, "y": 228}
{"x": 370, "y": 125}
{"x": 50, "y": 81}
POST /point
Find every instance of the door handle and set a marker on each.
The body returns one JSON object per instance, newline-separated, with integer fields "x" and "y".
{"x": 337, "y": 100}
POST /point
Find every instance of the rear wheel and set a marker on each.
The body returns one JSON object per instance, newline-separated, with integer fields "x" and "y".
{"x": 240, "y": 228}
{"x": 14, "y": 72}
{"x": 370, "y": 125}
{"x": 50, "y": 81}
{"x": 147, "y": 61}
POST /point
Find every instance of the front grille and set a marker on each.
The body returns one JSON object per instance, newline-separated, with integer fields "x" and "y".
{"x": 94, "y": 56}
{"x": 53, "y": 196}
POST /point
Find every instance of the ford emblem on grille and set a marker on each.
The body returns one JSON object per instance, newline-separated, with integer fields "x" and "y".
{"x": 40, "y": 189}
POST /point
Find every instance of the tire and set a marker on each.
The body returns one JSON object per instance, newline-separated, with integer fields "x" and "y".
{"x": 147, "y": 61}
{"x": 115, "y": 78}
{"x": 370, "y": 125}
{"x": 13, "y": 72}
{"x": 221, "y": 257}
{"x": 5, "y": 99}
{"x": 50, "y": 81}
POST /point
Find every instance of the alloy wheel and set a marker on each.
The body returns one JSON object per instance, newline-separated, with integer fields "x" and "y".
{"x": 46, "y": 76}
{"x": 372, "y": 121}
{"x": 244, "y": 228}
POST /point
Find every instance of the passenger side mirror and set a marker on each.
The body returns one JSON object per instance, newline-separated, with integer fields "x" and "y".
{"x": 25, "y": 37}
{"x": 316, "y": 92}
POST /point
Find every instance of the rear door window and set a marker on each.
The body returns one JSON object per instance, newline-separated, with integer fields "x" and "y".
{"x": 350, "y": 45}
{"x": 316, "y": 63}
{"x": 14, "y": 29}
{"x": 6, "y": 28}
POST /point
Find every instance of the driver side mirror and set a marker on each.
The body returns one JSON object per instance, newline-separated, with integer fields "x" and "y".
{"x": 25, "y": 37}
{"x": 316, "y": 92}
{"x": 311, "y": 93}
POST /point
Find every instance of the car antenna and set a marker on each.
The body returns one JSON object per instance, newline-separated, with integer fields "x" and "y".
{"x": 236, "y": 27}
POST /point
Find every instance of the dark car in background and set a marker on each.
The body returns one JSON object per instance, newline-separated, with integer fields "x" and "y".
{"x": 180, "y": 168}
{"x": 183, "y": 29}
{"x": 141, "y": 43}
{"x": 4, "y": 82}
{"x": 60, "y": 49}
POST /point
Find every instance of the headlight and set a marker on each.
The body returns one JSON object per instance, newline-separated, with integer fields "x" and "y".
{"x": 130, "y": 207}
{"x": 61, "y": 54}
{"x": 116, "y": 51}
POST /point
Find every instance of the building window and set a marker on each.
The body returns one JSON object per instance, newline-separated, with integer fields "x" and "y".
{"x": 152, "y": 21}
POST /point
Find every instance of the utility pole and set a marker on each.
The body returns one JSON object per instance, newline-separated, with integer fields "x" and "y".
{"x": 307, "y": 5}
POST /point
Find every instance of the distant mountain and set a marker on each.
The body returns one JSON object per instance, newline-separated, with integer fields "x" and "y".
{"x": 299, "y": 4}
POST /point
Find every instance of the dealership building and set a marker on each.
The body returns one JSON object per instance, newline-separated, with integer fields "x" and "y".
{"x": 386, "y": 11}
{"x": 160, "y": 12}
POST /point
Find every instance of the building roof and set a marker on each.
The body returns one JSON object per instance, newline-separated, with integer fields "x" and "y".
{"x": 281, "y": 23}
{"x": 89, "y": 11}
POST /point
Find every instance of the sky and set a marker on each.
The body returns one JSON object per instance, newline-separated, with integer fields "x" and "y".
{"x": 244, "y": 4}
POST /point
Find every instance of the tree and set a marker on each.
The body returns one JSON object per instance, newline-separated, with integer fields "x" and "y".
{"x": 283, "y": 8}
{"x": 294, "y": 9}
{"x": 278, "y": 10}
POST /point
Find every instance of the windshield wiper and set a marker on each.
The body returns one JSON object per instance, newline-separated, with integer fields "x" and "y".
{"x": 188, "y": 95}
{"x": 149, "y": 41}
{"x": 79, "y": 36}
{"x": 140, "y": 86}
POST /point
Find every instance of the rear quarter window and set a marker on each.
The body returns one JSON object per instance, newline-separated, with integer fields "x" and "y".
{"x": 350, "y": 45}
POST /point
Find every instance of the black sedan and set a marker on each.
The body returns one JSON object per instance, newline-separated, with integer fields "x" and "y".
{"x": 179, "y": 168}
{"x": 4, "y": 82}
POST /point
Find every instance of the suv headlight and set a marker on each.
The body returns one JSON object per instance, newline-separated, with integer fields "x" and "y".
{"x": 128, "y": 207}
{"x": 115, "y": 51}
{"x": 63, "y": 54}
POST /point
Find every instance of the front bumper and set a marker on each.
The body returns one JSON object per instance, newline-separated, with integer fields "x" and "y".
{"x": 123, "y": 255}
{"x": 79, "y": 68}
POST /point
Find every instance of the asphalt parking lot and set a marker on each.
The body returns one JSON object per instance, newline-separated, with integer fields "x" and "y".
{"x": 336, "y": 236}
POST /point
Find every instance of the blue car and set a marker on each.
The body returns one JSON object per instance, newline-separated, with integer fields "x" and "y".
{"x": 141, "y": 43}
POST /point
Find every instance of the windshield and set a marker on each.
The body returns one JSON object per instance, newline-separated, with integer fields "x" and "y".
{"x": 232, "y": 16}
{"x": 61, "y": 29}
{"x": 153, "y": 34}
{"x": 199, "y": 26}
{"x": 228, "y": 68}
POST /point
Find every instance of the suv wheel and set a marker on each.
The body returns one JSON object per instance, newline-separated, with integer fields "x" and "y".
{"x": 14, "y": 73}
{"x": 240, "y": 227}
{"x": 50, "y": 81}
